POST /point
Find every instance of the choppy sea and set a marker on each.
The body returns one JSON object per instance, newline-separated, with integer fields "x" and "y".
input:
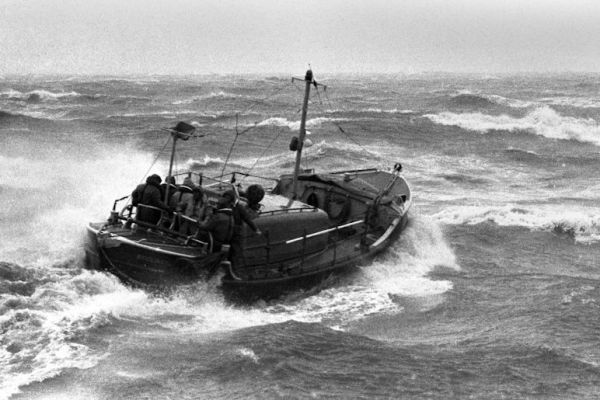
{"x": 492, "y": 292}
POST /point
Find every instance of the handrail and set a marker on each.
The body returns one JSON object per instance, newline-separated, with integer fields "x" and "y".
{"x": 167, "y": 230}
{"x": 118, "y": 200}
{"x": 297, "y": 239}
{"x": 266, "y": 178}
{"x": 233, "y": 173}
{"x": 354, "y": 171}
{"x": 335, "y": 228}
{"x": 161, "y": 229}
{"x": 287, "y": 210}
{"x": 150, "y": 207}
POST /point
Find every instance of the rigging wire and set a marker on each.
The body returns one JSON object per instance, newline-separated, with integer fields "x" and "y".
{"x": 156, "y": 159}
{"x": 337, "y": 124}
{"x": 262, "y": 154}
{"x": 254, "y": 125}
{"x": 237, "y": 134}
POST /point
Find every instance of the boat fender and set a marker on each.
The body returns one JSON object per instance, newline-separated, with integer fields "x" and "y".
{"x": 342, "y": 214}
{"x": 226, "y": 265}
{"x": 294, "y": 143}
{"x": 185, "y": 267}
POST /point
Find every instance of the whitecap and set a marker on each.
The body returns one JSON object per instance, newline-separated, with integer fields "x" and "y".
{"x": 543, "y": 121}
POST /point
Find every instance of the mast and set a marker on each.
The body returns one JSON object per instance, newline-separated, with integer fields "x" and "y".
{"x": 182, "y": 131}
{"x": 308, "y": 79}
{"x": 166, "y": 200}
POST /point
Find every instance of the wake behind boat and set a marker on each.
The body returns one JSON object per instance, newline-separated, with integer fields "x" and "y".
{"x": 299, "y": 228}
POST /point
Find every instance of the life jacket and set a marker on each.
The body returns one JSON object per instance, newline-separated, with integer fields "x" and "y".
{"x": 223, "y": 230}
{"x": 176, "y": 198}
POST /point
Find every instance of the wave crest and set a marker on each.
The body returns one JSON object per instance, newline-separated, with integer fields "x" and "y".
{"x": 543, "y": 121}
{"x": 295, "y": 125}
{"x": 37, "y": 95}
{"x": 583, "y": 225}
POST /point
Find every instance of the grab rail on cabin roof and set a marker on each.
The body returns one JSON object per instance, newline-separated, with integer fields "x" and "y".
{"x": 223, "y": 180}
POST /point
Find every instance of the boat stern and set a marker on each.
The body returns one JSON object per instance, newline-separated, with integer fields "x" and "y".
{"x": 93, "y": 258}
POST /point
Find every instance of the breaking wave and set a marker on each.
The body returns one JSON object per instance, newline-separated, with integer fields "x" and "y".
{"x": 470, "y": 100}
{"x": 582, "y": 224}
{"x": 520, "y": 154}
{"x": 35, "y": 96}
{"x": 576, "y": 102}
{"x": 295, "y": 125}
{"x": 30, "y": 118}
{"x": 40, "y": 325}
{"x": 208, "y": 163}
{"x": 542, "y": 121}
{"x": 212, "y": 95}
{"x": 466, "y": 98}
{"x": 389, "y": 111}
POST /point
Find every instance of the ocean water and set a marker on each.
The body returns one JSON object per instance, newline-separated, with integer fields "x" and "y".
{"x": 492, "y": 292}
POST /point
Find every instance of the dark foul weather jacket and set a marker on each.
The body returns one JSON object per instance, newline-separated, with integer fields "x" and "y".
{"x": 148, "y": 193}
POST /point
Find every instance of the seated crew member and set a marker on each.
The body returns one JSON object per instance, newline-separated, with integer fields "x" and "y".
{"x": 220, "y": 224}
{"x": 182, "y": 201}
{"x": 170, "y": 182}
{"x": 149, "y": 194}
{"x": 200, "y": 209}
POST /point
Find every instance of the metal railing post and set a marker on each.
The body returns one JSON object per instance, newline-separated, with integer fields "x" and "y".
{"x": 303, "y": 247}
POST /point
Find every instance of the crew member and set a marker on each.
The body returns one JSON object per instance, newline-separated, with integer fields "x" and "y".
{"x": 182, "y": 201}
{"x": 240, "y": 215}
{"x": 220, "y": 224}
{"x": 148, "y": 194}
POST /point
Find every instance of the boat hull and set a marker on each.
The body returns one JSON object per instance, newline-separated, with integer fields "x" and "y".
{"x": 143, "y": 259}
{"x": 277, "y": 280}
{"x": 301, "y": 245}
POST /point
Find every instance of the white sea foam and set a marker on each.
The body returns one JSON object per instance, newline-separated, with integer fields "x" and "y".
{"x": 577, "y": 102}
{"x": 500, "y": 100}
{"x": 422, "y": 247}
{"x": 399, "y": 272}
{"x": 295, "y": 125}
{"x": 510, "y": 102}
{"x": 65, "y": 199}
{"x": 43, "y": 94}
{"x": 582, "y": 223}
{"x": 68, "y": 301}
{"x": 389, "y": 111}
{"x": 52, "y": 115}
{"x": 163, "y": 113}
{"x": 41, "y": 329}
{"x": 249, "y": 353}
{"x": 542, "y": 121}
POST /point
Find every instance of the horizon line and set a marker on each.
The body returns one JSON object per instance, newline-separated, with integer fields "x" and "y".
{"x": 288, "y": 74}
